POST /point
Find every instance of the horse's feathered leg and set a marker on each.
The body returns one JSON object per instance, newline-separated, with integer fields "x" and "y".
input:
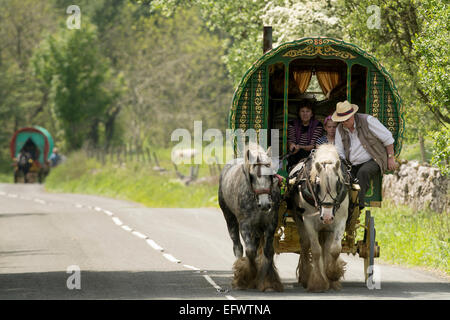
{"x": 245, "y": 269}
{"x": 317, "y": 281}
{"x": 334, "y": 265}
{"x": 268, "y": 277}
{"x": 304, "y": 261}
{"x": 233, "y": 227}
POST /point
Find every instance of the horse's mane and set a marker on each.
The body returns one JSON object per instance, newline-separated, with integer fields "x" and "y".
{"x": 325, "y": 154}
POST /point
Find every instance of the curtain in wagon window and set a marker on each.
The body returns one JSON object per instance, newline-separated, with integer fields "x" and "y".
{"x": 328, "y": 80}
{"x": 302, "y": 79}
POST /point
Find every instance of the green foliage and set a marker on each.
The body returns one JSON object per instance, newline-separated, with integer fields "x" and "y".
{"x": 242, "y": 22}
{"x": 184, "y": 78}
{"x": 72, "y": 67}
{"x": 238, "y": 20}
{"x": 413, "y": 238}
{"x": 441, "y": 151}
{"x": 433, "y": 48}
{"x": 411, "y": 151}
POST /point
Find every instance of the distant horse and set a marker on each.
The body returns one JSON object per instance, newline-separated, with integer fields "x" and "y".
{"x": 24, "y": 163}
{"x": 323, "y": 195}
{"x": 249, "y": 196}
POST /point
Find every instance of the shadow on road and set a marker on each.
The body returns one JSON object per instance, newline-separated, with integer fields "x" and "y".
{"x": 184, "y": 285}
{"x": 108, "y": 285}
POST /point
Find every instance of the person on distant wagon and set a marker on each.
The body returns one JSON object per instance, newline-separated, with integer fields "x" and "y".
{"x": 55, "y": 158}
{"x": 330, "y": 132}
{"x": 303, "y": 133}
{"x": 365, "y": 143}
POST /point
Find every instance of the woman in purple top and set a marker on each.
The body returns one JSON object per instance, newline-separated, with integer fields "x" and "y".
{"x": 303, "y": 133}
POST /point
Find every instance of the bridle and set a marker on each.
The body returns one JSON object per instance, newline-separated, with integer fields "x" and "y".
{"x": 336, "y": 203}
{"x": 311, "y": 192}
{"x": 261, "y": 191}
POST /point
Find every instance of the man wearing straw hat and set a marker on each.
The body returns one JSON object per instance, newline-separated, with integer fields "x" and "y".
{"x": 365, "y": 142}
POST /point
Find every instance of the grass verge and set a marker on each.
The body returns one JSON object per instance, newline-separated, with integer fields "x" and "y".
{"x": 413, "y": 238}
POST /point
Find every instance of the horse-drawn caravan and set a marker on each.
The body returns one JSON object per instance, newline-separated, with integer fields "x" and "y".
{"x": 266, "y": 98}
{"x": 31, "y": 148}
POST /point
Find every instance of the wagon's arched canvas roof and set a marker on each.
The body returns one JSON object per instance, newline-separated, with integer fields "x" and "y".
{"x": 383, "y": 99}
{"x": 38, "y": 135}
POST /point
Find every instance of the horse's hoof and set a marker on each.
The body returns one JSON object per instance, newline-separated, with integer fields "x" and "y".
{"x": 335, "y": 285}
{"x": 278, "y": 287}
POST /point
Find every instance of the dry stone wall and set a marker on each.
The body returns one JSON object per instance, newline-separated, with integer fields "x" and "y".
{"x": 419, "y": 186}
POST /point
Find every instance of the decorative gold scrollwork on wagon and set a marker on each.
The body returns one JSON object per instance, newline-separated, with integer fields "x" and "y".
{"x": 244, "y": 112}
{"x": 390, "y": 114}
{"x": 376, "y": 97}
{"x": 258, "y": 103}
{"x": 312, "y": 50}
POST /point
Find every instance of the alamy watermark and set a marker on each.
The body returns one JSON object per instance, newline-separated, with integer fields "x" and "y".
{"x": 374, "y": 278}
{"x": 74, "y": 20}
{"x": 374, "y": 21}
{"x": 191, "y": 149}
{"x": 74, "y": 280}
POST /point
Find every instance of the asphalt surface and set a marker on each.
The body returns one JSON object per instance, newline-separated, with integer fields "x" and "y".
{"x": 127, "y": 251}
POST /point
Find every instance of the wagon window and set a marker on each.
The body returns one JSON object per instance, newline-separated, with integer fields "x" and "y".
{"x": 359, "y": 86}
{"x": 328, "y": 83}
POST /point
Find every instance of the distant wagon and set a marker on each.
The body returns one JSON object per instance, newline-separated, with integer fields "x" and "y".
{"x": 31, "y": 148}
{"x": 265, "y": 99}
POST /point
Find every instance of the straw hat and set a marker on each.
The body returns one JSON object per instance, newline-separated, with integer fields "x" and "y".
{"x": 344, "y": 110}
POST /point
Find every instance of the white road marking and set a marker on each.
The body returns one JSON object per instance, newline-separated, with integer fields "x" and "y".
{"x": 211, "y": 281}
{"x": 171, "y": 258}
{"x": 154, "y": 245}
{"x": 217, "y": 287}
{"x": 117, "y": 221}
{"x": 139, "y": 235}
{"x": 191, "y": 267}
{"x": 109, "y": 213}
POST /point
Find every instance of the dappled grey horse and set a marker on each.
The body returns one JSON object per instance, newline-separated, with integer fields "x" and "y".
{"x": 249, "y": 196}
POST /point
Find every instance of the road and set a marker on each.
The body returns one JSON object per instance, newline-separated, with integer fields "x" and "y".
{"x": 127, "y": 251}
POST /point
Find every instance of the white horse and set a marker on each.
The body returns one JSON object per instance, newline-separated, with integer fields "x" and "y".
{"x": 323, "y": 195}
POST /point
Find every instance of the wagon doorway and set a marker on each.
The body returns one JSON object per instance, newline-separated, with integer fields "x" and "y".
{"x": 324, "y": 80}
{"x": 31, "y": 148}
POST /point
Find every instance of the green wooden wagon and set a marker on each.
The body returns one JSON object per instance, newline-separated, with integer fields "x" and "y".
{"x": 265, "y": 97}
{"x": 41, "y": 142}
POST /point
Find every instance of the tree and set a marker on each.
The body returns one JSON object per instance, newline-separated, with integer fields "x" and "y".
{"x": 174, "y": 75}
{"x": 22, "y": 26}
{"x": 80, "y": 82}
{"x": 241, "y": 24}
{"x": 393, "y": 43}
{"x": 432, "y": 47}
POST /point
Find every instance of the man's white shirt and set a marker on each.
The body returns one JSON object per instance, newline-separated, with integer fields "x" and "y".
{"x": 358, "y": 154}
